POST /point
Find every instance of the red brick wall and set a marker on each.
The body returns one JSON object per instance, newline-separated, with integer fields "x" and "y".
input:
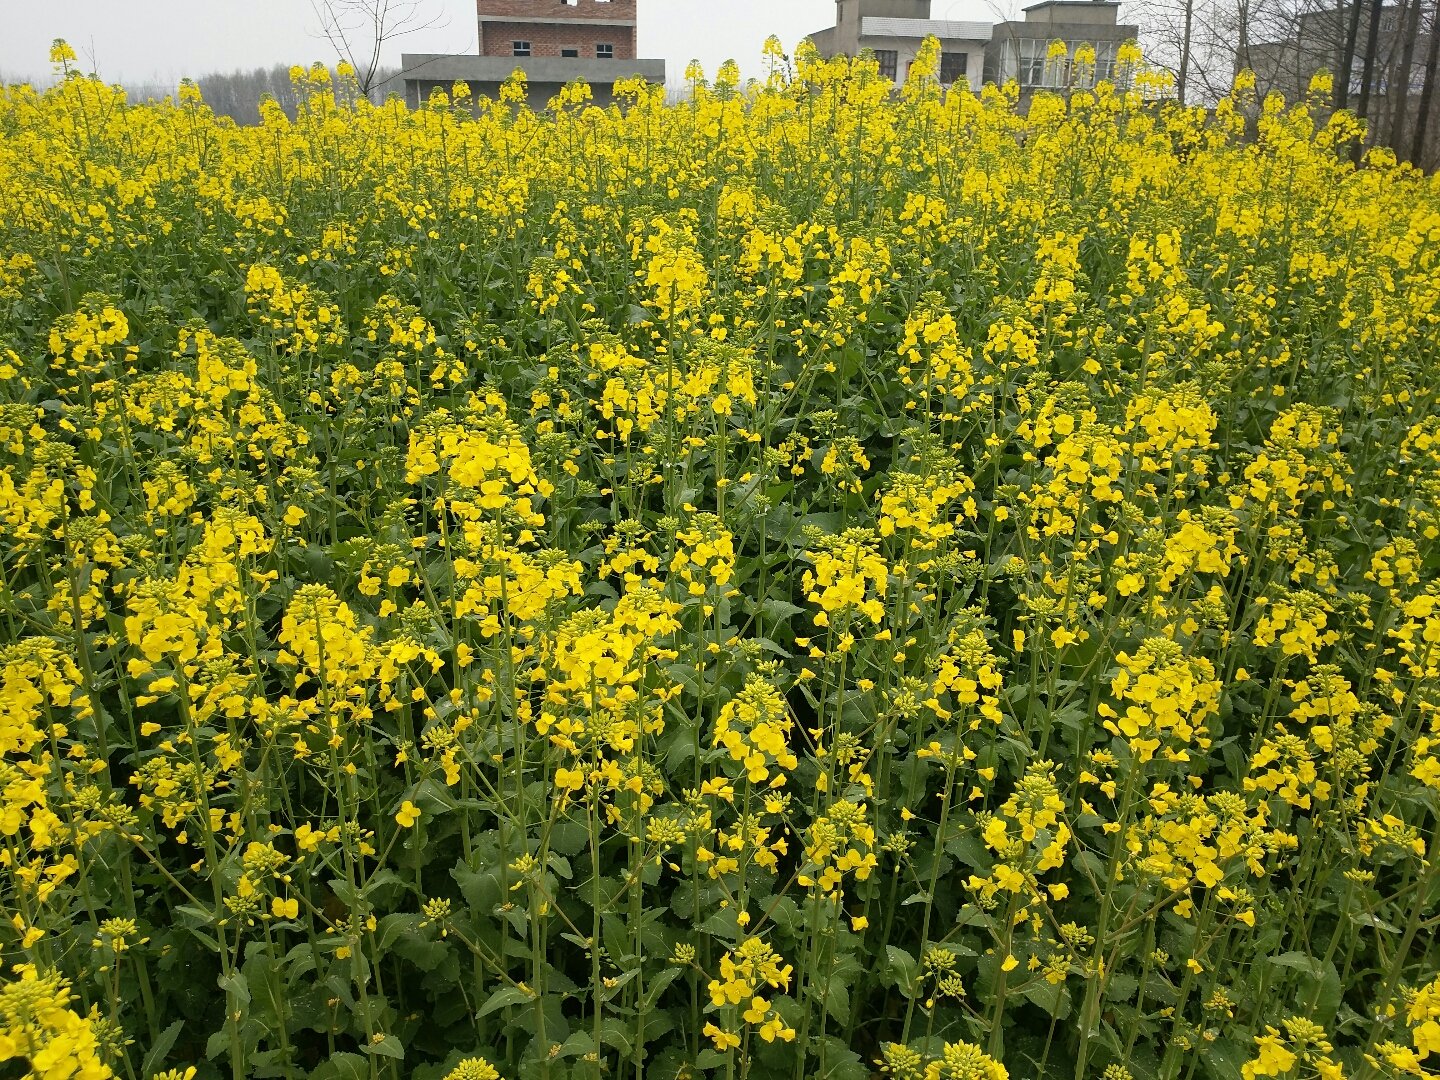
{"x": 547, "y": 40}
{"x": 554, "y": 9}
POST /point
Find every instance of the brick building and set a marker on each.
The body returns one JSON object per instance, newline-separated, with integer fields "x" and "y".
{"x": 592, "y": 29}
{"x": 553, "y": 41}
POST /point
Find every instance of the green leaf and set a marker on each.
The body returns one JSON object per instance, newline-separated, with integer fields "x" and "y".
{"x": 781, "y": 610}
{"x": 842, "y": 1063}
{"x": 481, "y": 889}
{"x": 392, "y": 926}
{"x": 608, "y": 990}
{"x": 235, "y": 983}
{"x": 1365, "y": 918}
{"x": 389, "y": 1047}
{"x": 1121, "y": 987}
{"x": 1054, "y": 1000}
{"x": 1223, "y": 1059}
{"x": 837, "y": 1000}
{"x": 511, "y": 995}
{"x": 568, "y": 837}
{"x": 577, "y": 1045}
{"x": 433, "y": 797}
{"x": 615, "y": 1033}
{"x": 155, "y": 1056}
{"x": 901, "y": 970}
{"x": 217, "y": 1045}
{"x": 658, "y": 985}
{"x": 1297, "y": 961}
{"x": 969, "y": 851}
{"x": 343, "y": 1066}
{"x": 1326, "y": 997}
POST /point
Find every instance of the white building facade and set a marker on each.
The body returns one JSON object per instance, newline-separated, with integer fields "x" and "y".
{"x": 975, "y": 53}
{"x": 896, "y": 42}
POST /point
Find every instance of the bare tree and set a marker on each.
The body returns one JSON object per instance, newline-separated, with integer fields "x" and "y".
{"x": 359, "y": 30}
{"x": 1347, "y": 57}
{"x": 1400, "y": 79}
{"x": 1367, "y": 70}
{"x": 238, "y": 94}
{"x": 1185, "y": 42}
{"x": 1168, "y": 34}
{"x": 1427, "y": 92}
{"x": 1205, "y": 42}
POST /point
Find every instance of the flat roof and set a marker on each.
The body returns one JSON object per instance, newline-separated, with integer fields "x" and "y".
{"x": 433, "y": 67}
{"x": 1073, "y": 3}
{"x": 945, "y": 29}
{"x": 545, "y": 20}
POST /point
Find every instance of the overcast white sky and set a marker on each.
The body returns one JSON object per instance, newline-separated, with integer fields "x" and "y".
{"x": 159, "y": 41}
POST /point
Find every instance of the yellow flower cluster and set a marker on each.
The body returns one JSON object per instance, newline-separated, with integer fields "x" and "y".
{"x": 745, "y": 973}
{"x": 848, "y": 575}
{"x": 819, "y": 572}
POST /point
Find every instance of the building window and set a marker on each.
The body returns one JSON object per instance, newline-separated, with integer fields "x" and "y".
{"x": 1032, "y": 62}
{"x": 952, "y": 66}
{"x": 1057, "y": 73}
{"x": 1104, "y": 63}
{"x": 522, "y": 48}
{"x": 1036, "y": 67}
{"x": 604, "y": 51}
{"x": 569, "y": 52}
{"x": 887, "y": 59}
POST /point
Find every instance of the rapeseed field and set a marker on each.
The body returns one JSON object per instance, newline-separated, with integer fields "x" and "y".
{"x": 816, "y": 580}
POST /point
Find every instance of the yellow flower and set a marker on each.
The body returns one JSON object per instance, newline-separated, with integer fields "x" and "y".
{"x": 1272, "y": 1057}
{"x": 473, "y": 1068}
{"x": 724, "y": 1040}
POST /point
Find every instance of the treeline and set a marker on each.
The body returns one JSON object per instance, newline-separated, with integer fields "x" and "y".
{"x": 1382, "y": 56}
{"x": 235, "y": 94}
{"x": 238, "y": 94}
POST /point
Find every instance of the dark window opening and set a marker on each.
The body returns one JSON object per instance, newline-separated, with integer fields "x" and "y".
{"x": 569, "y": 52}
{"x": 522, "y": 48}
{"x": 888, "y": 59}
{"x": 952, "y": 66}
{"x": 604, "y": 51}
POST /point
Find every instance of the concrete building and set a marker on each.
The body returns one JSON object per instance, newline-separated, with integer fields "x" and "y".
{"x": 893, "y": 31}
{"x": 553, "y": 41}
{"x": 981, "y": 52}
{"x": 1019, "y": 48}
